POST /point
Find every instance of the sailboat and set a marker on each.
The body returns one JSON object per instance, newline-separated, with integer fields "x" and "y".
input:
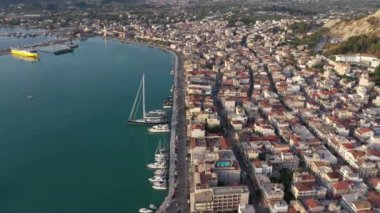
{"x": 149, "y": 118}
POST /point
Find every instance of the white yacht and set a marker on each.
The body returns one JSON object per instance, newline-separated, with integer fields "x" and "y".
{"x": 156, "y": 165}
{"x": 145, "y": 210}
{"x": 159, "y": 128}
{"x": 161, "y": 187}
{"x": 152, "y": 206}
{"x": 157, "y": 179}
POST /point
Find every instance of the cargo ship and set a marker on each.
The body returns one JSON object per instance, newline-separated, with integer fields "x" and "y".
{"x": 25, "y": 53}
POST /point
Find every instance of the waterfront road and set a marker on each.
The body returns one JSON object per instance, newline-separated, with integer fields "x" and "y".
{"x": 176, "y": 200}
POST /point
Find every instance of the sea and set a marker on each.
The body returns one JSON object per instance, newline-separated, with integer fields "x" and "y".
{"x": 65, "y": 144}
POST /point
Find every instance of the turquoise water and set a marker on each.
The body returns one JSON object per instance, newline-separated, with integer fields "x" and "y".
{"x": 70, "y": 149}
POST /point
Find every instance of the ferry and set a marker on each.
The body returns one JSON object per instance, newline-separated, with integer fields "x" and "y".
{"x": 145, "y": 210}
{"x": 25, "y": 58}
{"x": 25, "y": 53}
{"x": 160, "y": 128}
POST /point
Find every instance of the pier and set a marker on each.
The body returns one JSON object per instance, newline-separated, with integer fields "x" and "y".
{"x": 35, "y": 46}
{"x": 55, "y": 49}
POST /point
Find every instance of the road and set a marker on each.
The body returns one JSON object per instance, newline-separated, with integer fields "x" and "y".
{"x": 179, "y": 201}
{"x": 176, "y": 201}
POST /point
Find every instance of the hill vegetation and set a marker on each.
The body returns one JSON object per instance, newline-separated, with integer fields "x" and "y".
{"x": 357, "y": 44}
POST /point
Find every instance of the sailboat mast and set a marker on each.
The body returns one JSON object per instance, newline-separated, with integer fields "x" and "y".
{"x": 143, "y": 83}
{"x": 135, "y": 102}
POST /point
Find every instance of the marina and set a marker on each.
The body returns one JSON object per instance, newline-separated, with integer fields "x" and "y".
{"x": 159, "y": 180}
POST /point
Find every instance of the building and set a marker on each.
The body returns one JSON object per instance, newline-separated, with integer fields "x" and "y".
{"x": 219, "y": 199}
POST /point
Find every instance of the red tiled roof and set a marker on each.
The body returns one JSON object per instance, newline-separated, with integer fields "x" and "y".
{"x": 311, "y": 203}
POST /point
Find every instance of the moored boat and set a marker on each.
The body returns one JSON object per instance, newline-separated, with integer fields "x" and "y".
{"x": 145, "y": 210}
{"x": 149, "y": 118}
{"x": 160, "y": 128}
{"x": 156, "y": 165}
{"x": 152, "y": 206}
{"x": 157, "y": 179}
{"x": 161, "y": 187}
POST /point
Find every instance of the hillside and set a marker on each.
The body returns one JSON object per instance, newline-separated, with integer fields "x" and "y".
{"x": 369, "y": 25}
{"x": 357, "y": 44}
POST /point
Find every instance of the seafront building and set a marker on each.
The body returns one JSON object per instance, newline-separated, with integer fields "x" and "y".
{"x": 300, "y": 130}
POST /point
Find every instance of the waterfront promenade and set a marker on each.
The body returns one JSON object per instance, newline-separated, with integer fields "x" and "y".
{"x": 176, "y": 200}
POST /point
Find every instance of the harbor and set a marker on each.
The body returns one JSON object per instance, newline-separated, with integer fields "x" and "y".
{"x": 78, "y": 147}
{"x": 49, "y": 47}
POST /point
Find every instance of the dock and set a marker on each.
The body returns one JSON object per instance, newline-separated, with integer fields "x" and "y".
{"x": 56, "y": 49}
{"x": 7, "y": 51}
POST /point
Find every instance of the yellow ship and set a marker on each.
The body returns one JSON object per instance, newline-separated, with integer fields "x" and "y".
{"x": 25, "y": 53}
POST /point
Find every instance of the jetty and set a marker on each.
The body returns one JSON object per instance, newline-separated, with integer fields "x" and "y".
{"x": 6, "y": 51}
{"x": 56, "y": 49}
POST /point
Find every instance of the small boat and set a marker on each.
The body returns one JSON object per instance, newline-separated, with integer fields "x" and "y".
{"x": 156, "y": 165}
{"x": 160, "y": 128}
{"x": 157, "y": 179}
{"x": 152, "y": 206}
{"x": 161, "y": 187}
{"x": 30, "y": 97}
{"x": 172, "y": 72}
{"x": 145, "y": 210}
{"x": 167, "y": 104}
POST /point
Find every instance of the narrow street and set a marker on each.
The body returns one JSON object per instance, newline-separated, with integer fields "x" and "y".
{"x": 246, "y": 169}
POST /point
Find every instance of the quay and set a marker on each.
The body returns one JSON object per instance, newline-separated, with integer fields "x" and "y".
{"x": 177, "y": 197}
{"x": 35, "y": 46}
{"x": 173, "y": 139}
{"x": 56, "y": 49}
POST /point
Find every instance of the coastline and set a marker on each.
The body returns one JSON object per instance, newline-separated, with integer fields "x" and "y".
{"x": 173, "y": 135}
